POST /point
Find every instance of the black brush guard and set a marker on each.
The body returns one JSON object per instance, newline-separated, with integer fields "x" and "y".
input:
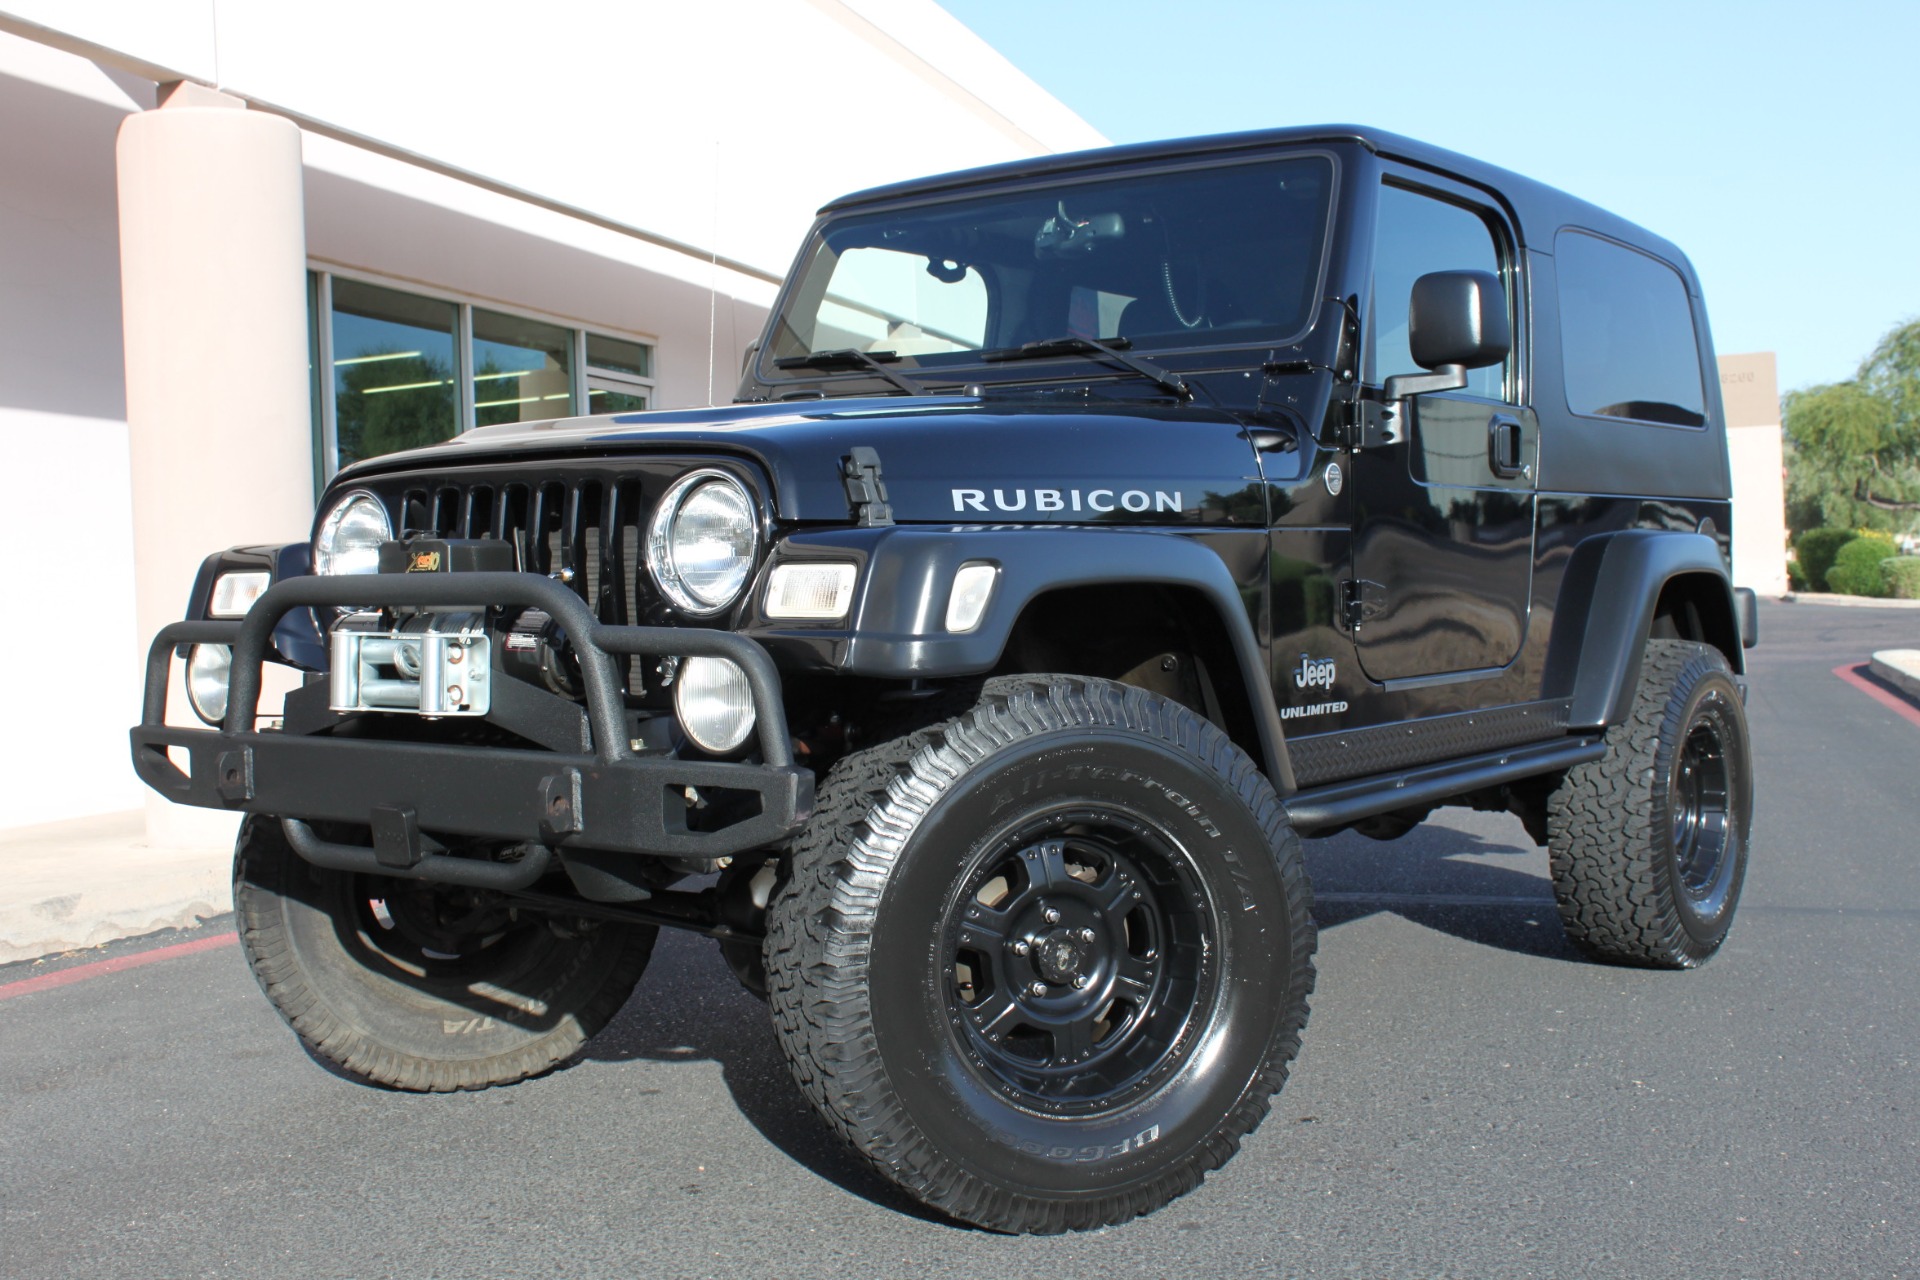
{"x": 609, "y": 799}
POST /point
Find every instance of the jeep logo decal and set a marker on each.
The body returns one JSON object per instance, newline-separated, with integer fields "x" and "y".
{"x": 1098, "y": 501}
{"x": 1314, "y": 673}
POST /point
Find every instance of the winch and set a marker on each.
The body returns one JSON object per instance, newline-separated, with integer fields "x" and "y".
{"x": 432, "y": 664}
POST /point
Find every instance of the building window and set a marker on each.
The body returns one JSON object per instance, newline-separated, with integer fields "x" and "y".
{"x": 522, "y": 369}
{"x": 409, "y": 369}
{"x": 619, "y": 375}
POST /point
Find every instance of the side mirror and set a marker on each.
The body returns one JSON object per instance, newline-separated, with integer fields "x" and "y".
{"x": 1456, "y": 321}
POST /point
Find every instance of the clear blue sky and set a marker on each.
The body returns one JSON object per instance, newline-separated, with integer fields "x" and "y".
{"x": 1777, "y": 144}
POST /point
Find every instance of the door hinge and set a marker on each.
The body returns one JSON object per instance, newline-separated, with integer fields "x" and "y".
{"x": 866, "y": 491}
{"x": 1361, "y": 601}
{"x": 1372, "y": 424}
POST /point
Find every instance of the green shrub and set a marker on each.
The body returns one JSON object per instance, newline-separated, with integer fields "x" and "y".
{"x": 1902, "y": 574}
{"x": 1856, "y": 570}
{"x": 1796, "y": 579}
{"x": 1816, "y": 549}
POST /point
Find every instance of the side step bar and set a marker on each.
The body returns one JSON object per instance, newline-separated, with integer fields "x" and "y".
{"x": 1339, "y": 803}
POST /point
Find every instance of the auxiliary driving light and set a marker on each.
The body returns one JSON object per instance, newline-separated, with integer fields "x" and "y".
{"x": 715, "y": 703}
{"x": 209, "y": 671}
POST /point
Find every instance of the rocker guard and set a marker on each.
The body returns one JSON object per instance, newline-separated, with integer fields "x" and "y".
{"x": 608, "y": 799}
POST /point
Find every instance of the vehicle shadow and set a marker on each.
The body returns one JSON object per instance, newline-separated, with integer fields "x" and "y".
{"x": 1476, "y": 877}
{"x": 689, "y": 1007}
{"x": 1472, "y": 880}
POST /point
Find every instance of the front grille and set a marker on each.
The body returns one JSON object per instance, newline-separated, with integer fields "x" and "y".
{"x": 587, "y": 518}
{"x": 589, "y": 527}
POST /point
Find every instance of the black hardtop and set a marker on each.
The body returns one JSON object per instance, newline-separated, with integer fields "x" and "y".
{"x": 1538, "y": 210}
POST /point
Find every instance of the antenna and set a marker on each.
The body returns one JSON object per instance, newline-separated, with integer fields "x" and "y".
{"x": 713, "y": 270}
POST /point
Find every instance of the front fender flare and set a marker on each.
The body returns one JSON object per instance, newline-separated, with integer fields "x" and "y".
{"x": 898, "y": 619}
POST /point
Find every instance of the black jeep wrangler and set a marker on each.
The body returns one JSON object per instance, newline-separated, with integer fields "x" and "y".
{"x": 1087, "y": 530}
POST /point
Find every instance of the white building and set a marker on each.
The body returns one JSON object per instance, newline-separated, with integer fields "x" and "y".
{"x": 276, "y": 237}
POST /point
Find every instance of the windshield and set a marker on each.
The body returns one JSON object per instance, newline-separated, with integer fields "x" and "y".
{"x": 1225, "y": 256}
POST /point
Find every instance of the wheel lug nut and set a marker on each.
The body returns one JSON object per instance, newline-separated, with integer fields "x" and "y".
{"x": 1020, "y": 947}
{"x": 1051, "y": 916}
{"x": 1037, "y": 989}
{"x": 1086, "y": 935}
{"x": 1079, "y": 981}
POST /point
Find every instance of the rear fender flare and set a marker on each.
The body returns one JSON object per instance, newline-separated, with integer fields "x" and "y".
{"x": 1605, "y": 614}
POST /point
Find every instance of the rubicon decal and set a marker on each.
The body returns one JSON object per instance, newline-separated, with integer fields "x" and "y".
{"x": 1097, "y": 501}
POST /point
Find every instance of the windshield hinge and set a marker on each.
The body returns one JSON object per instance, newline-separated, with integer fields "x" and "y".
{"x": 866, "y": 491}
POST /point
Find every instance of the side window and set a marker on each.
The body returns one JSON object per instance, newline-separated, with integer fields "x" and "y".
{"x": 1626, "y": 334}
{"x": 1416, "y": 234}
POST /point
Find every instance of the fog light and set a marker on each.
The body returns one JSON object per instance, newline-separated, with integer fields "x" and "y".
{"x": 234, "y": 593}
{"x": 972, "y": 589}
{"x": 209, "y": 670}
{"x": 714, "y": 702}
{"x": 819, "y": 591}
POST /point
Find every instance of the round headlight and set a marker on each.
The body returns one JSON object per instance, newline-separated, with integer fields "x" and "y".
{"x": 715, "y": 703}
{"x": 209, "y": 671}
{"x": 350, "y": 537}
{"x": 701, "y": 541}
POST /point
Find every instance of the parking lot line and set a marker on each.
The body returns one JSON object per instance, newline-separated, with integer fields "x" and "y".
{"x": 1855, "y": 674}
{"x": 101, "y": 968}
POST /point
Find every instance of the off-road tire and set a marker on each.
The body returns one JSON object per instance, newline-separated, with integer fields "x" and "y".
{"x": 862, "y": 988}
{"x": 367, "y": 999}
{"x": 1632, "y": 888}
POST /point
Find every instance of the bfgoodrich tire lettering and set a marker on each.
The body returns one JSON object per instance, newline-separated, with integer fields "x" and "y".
{"x": 1079, "y": 866}
{"x": 417, "y": 987}
{"x": 1649, "y": 843}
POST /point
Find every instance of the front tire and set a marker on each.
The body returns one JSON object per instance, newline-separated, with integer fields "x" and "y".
{"x": 1045, "y": 964}
{"x": 1648, "y": 844}
{"x": 424, "y": 987}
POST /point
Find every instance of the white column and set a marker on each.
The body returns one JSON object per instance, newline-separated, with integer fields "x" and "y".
{"x": 213, "y": 283}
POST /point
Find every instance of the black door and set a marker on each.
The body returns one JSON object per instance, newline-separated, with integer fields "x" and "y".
{"x": 1443, "y": 499}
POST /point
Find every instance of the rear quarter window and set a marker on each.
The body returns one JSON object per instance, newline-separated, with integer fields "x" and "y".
{"x": 1626, "y": 332}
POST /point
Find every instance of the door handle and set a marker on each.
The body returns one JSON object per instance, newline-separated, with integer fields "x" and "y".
{"x": 1506, "y": 449}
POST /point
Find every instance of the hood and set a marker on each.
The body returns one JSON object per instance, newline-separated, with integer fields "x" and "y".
{"x": 943, "y": 459}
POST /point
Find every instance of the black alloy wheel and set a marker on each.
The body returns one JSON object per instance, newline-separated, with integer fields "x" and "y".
{"x": 1044, "y": 963}
{"x": 1079, "y": 951}
{"x": 1698, "y": 804}
{"x": 421, "y": 986}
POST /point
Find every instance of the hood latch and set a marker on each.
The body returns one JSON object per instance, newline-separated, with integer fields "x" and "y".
{"x": 866, "y": 491}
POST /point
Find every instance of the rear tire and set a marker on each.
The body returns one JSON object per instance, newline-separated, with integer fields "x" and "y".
{"x": 419, "y": 986}
{"x": 1044, "y": 964}
{"x": 1649, "y": 843}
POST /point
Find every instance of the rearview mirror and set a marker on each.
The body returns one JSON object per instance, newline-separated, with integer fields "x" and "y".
{"x": 1456, "y": 321}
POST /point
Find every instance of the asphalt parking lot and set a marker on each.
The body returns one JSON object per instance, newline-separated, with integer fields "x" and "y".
{"x": 1473, "y": 1099}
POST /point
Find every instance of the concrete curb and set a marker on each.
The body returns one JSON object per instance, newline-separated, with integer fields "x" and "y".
{"x": 1899, "y": 668}
{"x": 78, "y": 884}
{"x": 1850, "y": 602}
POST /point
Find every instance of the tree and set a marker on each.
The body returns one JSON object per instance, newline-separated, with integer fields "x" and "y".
{"x": 1853, "y": 458}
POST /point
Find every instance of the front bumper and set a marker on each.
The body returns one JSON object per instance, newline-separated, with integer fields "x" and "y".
{"x": 602, "y": 796}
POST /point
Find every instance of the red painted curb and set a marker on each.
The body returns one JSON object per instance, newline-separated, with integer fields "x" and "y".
{"x": 101, "y": 968}
{"x": 1854, "y": 674}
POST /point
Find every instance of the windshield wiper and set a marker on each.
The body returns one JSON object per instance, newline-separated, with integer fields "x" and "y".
{"x": 1074, "y": 344}
{"x": 853, "y": 358}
